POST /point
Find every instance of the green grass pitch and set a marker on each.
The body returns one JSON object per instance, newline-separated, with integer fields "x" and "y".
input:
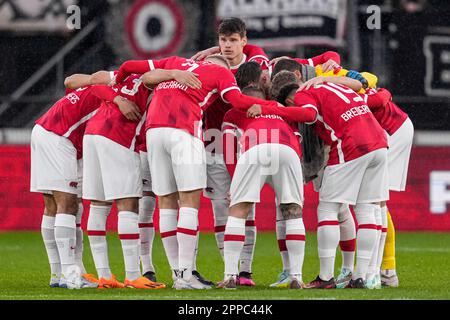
{"x": 423, "y": 261}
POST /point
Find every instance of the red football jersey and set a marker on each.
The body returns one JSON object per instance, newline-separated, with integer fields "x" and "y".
{"x": 344, "y": 118}
{"x": 262, "y": 129}
{"x": 68, "y": 116}
{"x": 177, "y": 106}
{"x": 213, "y": 117}
{"x": 109, "y": 122}
{"x": 391, "y": 117}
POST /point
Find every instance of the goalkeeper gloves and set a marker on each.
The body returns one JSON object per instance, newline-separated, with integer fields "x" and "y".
{"x": 358, "y": 76}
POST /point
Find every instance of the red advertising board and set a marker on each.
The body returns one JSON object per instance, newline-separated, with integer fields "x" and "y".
{"x": 424, "y": 206}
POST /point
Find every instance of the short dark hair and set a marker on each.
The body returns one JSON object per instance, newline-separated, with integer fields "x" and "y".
{"x": 232, "y": 25}
{"x": 248, "y": 73}
{"x": 280, "y": 80}
{"x": 286, "y": 91}
{"x": 254, "y": 91}
{"x": 286, "y": 64}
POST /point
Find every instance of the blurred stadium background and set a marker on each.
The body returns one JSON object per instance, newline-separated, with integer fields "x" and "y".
{"x": 409, "y": 51}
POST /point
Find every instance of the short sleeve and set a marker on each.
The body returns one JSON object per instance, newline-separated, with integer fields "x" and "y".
{"x": 226, "y": 82}
{"x": 305, "y": 99}
{"x": 160, "y": 64}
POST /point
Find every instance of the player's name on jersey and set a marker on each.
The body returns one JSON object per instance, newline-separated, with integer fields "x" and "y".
{"x": 355, "y": 112}
{"x": 269, "y": 116}
{"x": 171, "y": 85}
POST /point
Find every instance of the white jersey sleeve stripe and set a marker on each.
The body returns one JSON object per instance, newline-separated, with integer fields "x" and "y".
{"x": 151, "y": 65}
{"x": 259, "y": 56}
{"x": 312, "y": 107}
{"x": 311, "y": 63}
{"x": 334, "y": 138}
{"x": 226, "y": 90}
{"x": 79, "y": 123}
{"x": 138, "y": 130}
{"x": 208, "y": 96}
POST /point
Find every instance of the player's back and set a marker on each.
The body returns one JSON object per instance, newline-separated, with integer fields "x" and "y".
{"x": 111, "y": 123}
{"x": 261, "y": 129}
{"x": 68, "y": 116}
{"x": 345, "y": 118}
{"x": 178, "y": 106}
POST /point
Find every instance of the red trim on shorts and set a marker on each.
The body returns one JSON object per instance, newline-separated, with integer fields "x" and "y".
{"x": 187, "y": 231}
{"x": 168, "y": 234}
{"x": 219, "y": 229}
{"x": 96, "y": 233}
{"x": 145, "y": 225}
{"x": 348, "y": 245}
{"x": 328, "y": 223}
{"x": 295, "y": 237}
{"x": 234, "y": 237}
{"x": 250, "y": 223}
{"x": 378, "y": 227}
{"x": 282, "y": 245}
{"x": 384, "y": 230}
{"x": 367, "y": 226}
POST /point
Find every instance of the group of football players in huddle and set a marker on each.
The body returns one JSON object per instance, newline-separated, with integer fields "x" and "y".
{"x": 223, "y": 123}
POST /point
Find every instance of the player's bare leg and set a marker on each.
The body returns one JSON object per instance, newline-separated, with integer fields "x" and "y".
{"x": 147, "y": 233}
{"x": 234, "y": 242}
{"x": 48, "y": 236}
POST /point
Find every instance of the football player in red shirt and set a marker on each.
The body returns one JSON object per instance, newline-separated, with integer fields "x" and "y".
{"x": 270, "y": 152}
{"x": 174, "y": 136}
{"x": 118, "y": 177}
{"x": 56, "y": 165}
{"x": 234, "y": 47}
{"x": 356, "y": 171}
{"x": 400, "y": 132}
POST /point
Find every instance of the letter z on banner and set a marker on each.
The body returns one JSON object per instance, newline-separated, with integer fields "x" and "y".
{"x": 154, "y": 28}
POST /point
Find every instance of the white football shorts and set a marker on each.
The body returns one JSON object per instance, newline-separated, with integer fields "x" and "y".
{"x": 110, "y": 170}
{"x": 272, "y": 163}
{"x": 54, "y": 164}
{"x": 400, "y": 144}
{"x": 218, "y": 178}
{"x": 362, "y": 180}
{"x": 145, "y": 172}
{"x": 177, "y": 161}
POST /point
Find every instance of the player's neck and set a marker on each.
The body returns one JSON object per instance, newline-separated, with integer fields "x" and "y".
{"x": 237, "y": 60}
